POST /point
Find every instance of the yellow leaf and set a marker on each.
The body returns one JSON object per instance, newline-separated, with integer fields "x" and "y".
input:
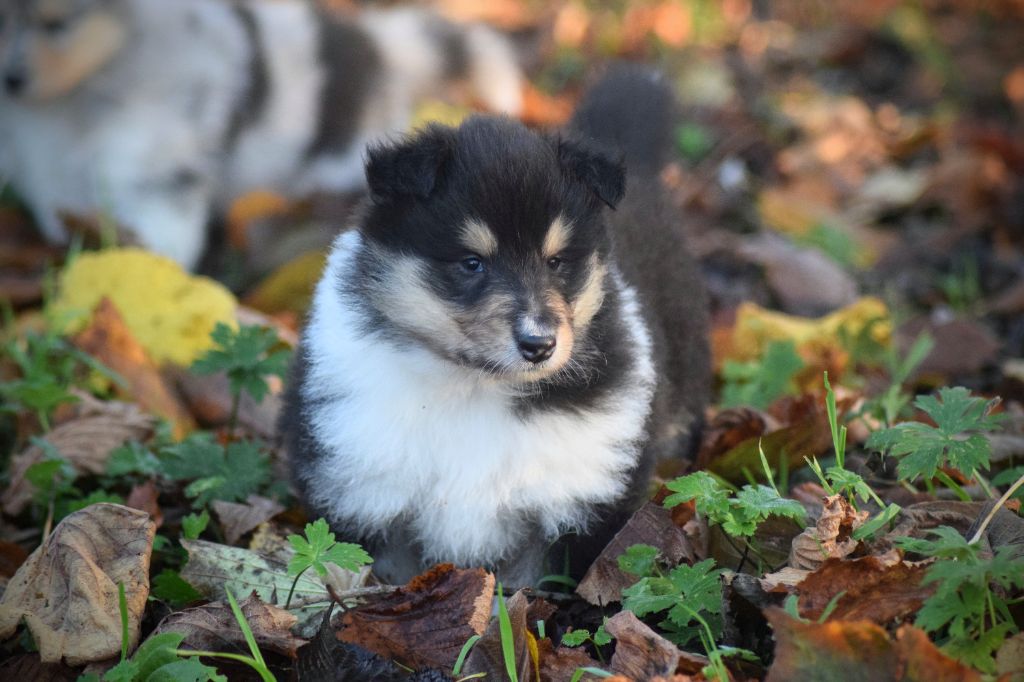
{"x": 169, "y": 311}
{"x": 756, "y": 327}
{"x": 290, "y": 287}
{"x": 436, "y": 111}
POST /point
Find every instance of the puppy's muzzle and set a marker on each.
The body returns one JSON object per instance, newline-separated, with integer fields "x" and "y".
{"x": 536, "y": 348}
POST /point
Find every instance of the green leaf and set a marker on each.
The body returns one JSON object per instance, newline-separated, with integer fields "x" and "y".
{"x": 192, "y": 525}
{"x": 601, "y": 636}
{"x": 764, "y": 501}
{"x": 711, "y": 497}
{"x": 876, "y": 523}
{"x": 170, "y": 587}
{"x": 246, "y": 356}
{"x": 638, "y": 559}
{"x": 759, "y": 383}
{"x": 230, "y": 474}
{"x": 125, "y": 671}
{"x": 319, "y": 546}
{"x": 132, "y": 458}
{"x": 155, "y": 652}
{"x": 575, "y": 637}
{"x": 189, "y": 669}
{"x": 957, "y": 440}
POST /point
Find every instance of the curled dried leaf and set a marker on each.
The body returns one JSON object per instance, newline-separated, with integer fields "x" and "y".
{"x": 67, "y": 589}
{"x": 830, "y": 536}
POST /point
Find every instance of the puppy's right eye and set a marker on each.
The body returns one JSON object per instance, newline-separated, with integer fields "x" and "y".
{"x": 472, "y": 264}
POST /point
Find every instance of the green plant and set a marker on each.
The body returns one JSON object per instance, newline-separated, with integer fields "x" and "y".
{"x": 679, "y": 593}
{"x": 738, "y": 515}
{"x": 957, "y": 440}
{"x": 508, "y": 645}
{"x": 599, "y": 638}
{"x": 247, "y": 356}
{"x": 838, "y": 480}
{"x": 49, "y": 366}
{"x": 974, "y": 618}
{"x": 192, "y": 525}
{"x": 319, "y": 547}
{"x": 230, "y": 473}
{"x": 759, "y": 382}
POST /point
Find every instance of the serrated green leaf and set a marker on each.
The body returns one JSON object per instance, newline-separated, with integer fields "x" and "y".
{"x": 125, "y": 671}
{"x": 189, "y": 669}
{"x": 246, "y": 356}
{"x": 170, "y": 587}
{"x": 712, "y": 499}
{"x": 759, "y": 383}
{"x": 638, "y": 559}
{"x": 218, "y": 473}
{"x": 192, "y": 525}
{"x": 765, "y": 501}
{"x": 575, "y": 637}
{"x": 347, "y": 555}
{"x": 132, "y": 458}
{"x": 601, "y": 636}
{"x": 319, "y": 546}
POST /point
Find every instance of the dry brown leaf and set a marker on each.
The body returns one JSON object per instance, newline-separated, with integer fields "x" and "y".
{"x": 209, "y": 399}
{"x": 425, "y": 623}
{"x": 85, "y": 442}
{"x": 11, "y": 557}
{"x": 830, "y": 536}
{"x": 487, "y": 656}
{"x": 829, "y": 651}
{"x": 1010, "y": 659}
{"x": 145, "y": 497}
{"x": 559, "y": 664}
{"x": 238, "y": 519}
{"x": 643, "y": 654}
{"x": 873, "y": 590}
{"x": 108, "y": 339}
{"x": 67, "y": 589}
{"x": 650, "y": 525}
{"x": 212, "y": 627}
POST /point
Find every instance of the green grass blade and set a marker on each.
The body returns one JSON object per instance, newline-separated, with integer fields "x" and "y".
{"x": 508, "y": 647}
{"x": 122, "y": 606}
{"x": 461, "y": 660}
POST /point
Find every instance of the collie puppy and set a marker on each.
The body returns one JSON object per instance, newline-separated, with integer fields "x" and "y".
{"x": 157, "y": 112}
{"x": 505, "y": 343}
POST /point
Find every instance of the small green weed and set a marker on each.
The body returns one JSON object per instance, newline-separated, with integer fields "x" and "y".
{"x": 319, "y": 547}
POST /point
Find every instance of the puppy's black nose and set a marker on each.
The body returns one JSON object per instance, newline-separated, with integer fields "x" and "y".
{"x": 536, "y": 348}
{"x": 14, "y": 83}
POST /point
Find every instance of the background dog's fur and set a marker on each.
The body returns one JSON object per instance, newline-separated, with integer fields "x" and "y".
{"x": 159, "y": 112}
{"x": 409, "y": 422}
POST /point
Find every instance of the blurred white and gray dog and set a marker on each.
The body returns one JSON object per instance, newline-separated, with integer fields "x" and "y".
{"x": 157, "y": 112}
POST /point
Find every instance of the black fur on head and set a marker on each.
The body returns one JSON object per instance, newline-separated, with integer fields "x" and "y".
{"x": 603, "y": 176}
{"x": 411, "y": 168}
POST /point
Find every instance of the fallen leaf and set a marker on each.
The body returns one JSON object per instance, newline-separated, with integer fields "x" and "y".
{"x": 213, "y": 567}
{"x": 756, "y": 327}
{"x": 650, "y": 525}
{"x": 30, "y": 667}
{"x": 857, "y": 650}
{"x": 425, "y": 623}
{"x": 250, "y": 207}
{"x": 643, "y": 654}
{"x": 209, "y": 399}
{"x": 108, "y": 339}
{"x": 325, "y": 659}
{"x": 830, "y": 536}
{"x": 962, "y": 346}
{"x": 85, "y": 442}
{"x": 145, "y": 497}
{"x": 559, "y": 664}
{"x": 67, "y": 589}
{"x": 12, "y": 556}
{"x": 1010, "y": 659}
{"x": 289, "y": 287}
{"x": 213, "y": 627}
{"x": 238, "y": 519}
{"x": 873, "y": 590}
{"x": 487, "y": 656}
{"x": 169, "y": 311}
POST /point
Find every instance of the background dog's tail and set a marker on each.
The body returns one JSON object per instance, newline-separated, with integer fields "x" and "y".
{"x": 632, "y": 110}
{"x": 425, "y": 50}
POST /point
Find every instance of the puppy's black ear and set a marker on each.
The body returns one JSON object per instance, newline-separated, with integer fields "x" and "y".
{"x": 412, "y": 167}
{"x": 602, "y": 175}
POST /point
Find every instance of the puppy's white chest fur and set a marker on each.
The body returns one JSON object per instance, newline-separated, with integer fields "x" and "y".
{"x": 411, "y": 438}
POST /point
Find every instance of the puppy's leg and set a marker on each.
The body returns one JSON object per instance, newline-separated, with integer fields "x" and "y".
{"x": 156, "y": 181}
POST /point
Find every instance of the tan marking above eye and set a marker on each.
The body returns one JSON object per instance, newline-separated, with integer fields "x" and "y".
{"x": 557, "y": 237}
{"x": 478, "y": 238}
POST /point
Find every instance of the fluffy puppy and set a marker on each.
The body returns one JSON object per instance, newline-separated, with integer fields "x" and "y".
{"x": 495, "y": 357}
{"x": 157, "y": 112}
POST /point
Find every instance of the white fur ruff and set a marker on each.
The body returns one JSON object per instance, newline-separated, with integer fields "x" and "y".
{"x": 412, "y": 436}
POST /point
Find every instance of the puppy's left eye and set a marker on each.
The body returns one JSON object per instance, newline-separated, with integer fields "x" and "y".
{"x": 472, "y": 264}
{"x": 555, "y": 263}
